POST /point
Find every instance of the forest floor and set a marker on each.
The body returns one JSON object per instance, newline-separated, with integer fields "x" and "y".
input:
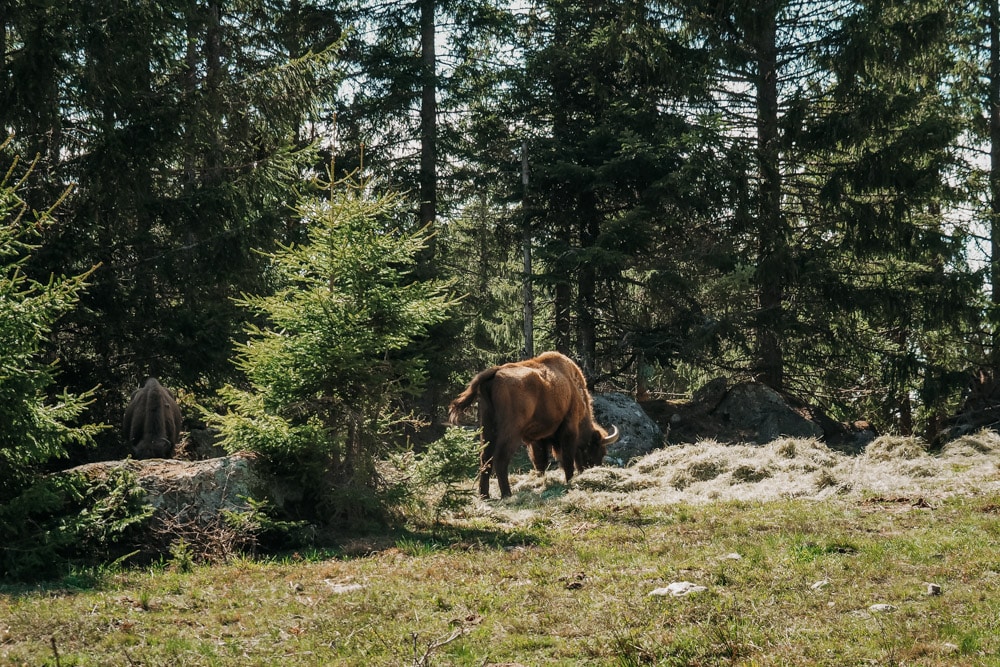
{"x": 705, "y": 554}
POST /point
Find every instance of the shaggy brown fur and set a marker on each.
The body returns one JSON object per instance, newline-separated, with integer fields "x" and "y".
{"x": 542, "y": 402}
{"x": 152, "y": 422}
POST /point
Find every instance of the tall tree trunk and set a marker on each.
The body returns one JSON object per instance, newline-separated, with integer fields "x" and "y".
{"x": 428, "y": 115}
{"x": 899, "y": 389}
{"x": 993, "y": 103}
{"x": 193, "y": 29}
{"x": 562, "y": 316}
{"x": 771, "y": 249}
{"x": 5, "y": 10}
{"x": 529, "y": 297}
{"x": 586, "y": 321}
{"x": 213, "y": 83}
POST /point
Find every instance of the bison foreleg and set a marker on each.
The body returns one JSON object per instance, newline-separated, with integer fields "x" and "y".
{"x": 538, "y": 452}
{"x": 566, "y": 439}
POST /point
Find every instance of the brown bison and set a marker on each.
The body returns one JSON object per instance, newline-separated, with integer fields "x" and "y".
{"x": 542, "y": 402}
{"x": 152, "y": 422}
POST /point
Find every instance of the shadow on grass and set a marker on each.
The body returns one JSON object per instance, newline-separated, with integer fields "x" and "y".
{"x": 413, "y": 542}
{"x": 83, "y": 580}
{"x": 425, "y": 541}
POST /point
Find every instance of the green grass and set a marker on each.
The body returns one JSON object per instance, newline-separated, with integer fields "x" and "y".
{"x": 562, "y": 586}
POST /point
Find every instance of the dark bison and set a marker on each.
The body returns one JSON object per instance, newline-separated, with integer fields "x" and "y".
{"x": 152, "y": 422}
{"x": 542, "y": 402}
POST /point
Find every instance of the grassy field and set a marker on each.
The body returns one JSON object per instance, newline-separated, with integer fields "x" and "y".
{"x": 558, "y": 576}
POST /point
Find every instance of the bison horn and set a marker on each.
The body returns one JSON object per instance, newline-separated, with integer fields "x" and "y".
{"x": 611, "y": 438}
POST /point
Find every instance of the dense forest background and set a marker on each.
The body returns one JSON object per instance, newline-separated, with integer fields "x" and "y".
{"x": 804, "y": 193}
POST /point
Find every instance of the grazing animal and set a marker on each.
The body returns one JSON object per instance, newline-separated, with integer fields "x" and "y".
{"x": 542, "y": 402}
{"x": 152, "y": 422}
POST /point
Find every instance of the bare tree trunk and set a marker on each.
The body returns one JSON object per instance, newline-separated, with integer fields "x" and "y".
{"x": 529, "y": 298}
{"x": 428, "y": 116}
{"x": 4, "y": 75}
{"x": 771, "y": 249}
{"x": 586, "y": 321}
{"x": 994, "y": 110}
{"x": 190, "y": 87}
{"x": 214, "y": 76}
{"x": 562, "y": 316}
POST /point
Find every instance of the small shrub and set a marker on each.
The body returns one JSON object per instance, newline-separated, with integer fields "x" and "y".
{"x": 181, "y": 556}
{"x": 333, "y": 354}
{"x": 259, "y": 526}
{"x": 449, "y": 464}
{"x": 69, "y": 519}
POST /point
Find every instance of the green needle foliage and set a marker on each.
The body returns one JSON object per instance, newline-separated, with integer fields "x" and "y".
{"x": 35, "y": 427}
{"x": 331, "y": 364}
{"x": 45, "y": 522}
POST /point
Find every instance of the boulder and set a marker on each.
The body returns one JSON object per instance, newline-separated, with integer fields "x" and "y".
{"x": 198, "y": 444}
{"x": 763, "y": 415}
{"x": 189, "y": 490}
{"x": 639, "y": 433}
{"x": 752, "y": 412}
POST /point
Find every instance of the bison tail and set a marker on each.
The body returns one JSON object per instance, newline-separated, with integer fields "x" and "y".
{"x": 469, "y": 396}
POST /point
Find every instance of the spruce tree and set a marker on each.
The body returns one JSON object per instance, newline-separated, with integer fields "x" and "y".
{"x": 37, "y": 423}
{"x": 331, "y": 365}
{"x": 853, "y": 270}
{"x": 888, "y": 190}
{"x": 977, "y": 82}
{"x": 623, "y": 171}
{"x": 185, "y": 126}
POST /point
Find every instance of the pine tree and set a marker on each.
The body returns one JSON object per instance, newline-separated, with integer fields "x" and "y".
{"x": 617, "y": 149}
{"x": 36, "y": 424}
{"x": 185, "y": 125}
{"x": 331, "y": 365}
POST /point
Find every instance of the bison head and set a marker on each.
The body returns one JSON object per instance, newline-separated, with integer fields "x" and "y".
{"x": 595, "y": 448}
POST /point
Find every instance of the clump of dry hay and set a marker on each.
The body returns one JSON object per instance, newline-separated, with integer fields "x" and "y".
{"x": 785, "y": 468}
{"x": 891, "y": 448}
{"x": 984, "y": 443}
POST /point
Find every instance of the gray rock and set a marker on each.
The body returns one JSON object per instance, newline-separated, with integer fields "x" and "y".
{"x": 678, "y": 589}
{"x": 190, "y": 501}
{"x": 639, "y": 434}
{"x": 763, "y": 415}
{"x": 189, "y": 490}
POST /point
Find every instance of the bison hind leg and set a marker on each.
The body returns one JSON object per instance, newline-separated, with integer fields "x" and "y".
{"x": 494, "y": 458}
{"x": 485, "y": 466}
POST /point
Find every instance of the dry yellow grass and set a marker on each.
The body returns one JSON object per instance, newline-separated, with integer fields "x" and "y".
{"x": 786, "y": 468}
